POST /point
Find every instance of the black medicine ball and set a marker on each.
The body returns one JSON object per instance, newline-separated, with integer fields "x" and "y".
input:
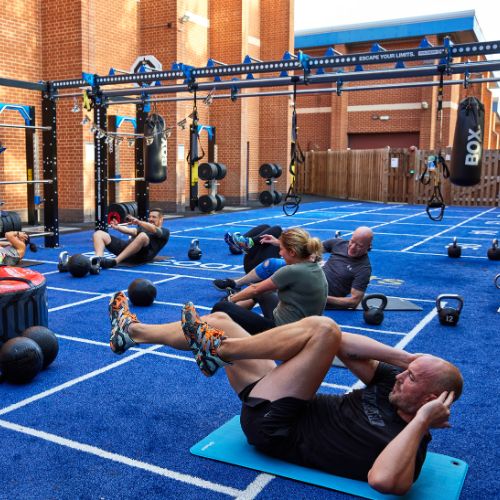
{"x": 20, "y": 360}
{"x": 79, "y": 265}
{"x": 47, "y": 341}
{"x": 141, "y": 292}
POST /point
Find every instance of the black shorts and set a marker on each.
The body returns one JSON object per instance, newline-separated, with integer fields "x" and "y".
{"x": 272, "y": 426}
{"x": 117, "y": 245}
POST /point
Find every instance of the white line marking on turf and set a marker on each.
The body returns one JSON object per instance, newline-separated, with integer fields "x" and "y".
{"x": 255, "y": 487}
{"x": 389, "y": 332}
{"x": 115, "y": 457}
{"x": 80, "y": 302}
{"x": 446, "y": 230}
{"x": 57, "y": 289}
{"x": 336, "y": 386}
{"x": 408, "y": 338}
{"x": 75, "y": 381}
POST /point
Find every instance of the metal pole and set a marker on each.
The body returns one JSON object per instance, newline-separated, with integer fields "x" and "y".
{"x": 34, "y": 127}
{"x": 39, "y": 181}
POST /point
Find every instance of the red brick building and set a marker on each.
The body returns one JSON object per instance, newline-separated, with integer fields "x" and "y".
{"x": 388, "y": 115}
{"x": 60, "y": 39}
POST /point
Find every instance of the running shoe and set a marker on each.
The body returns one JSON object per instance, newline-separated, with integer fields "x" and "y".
{"x": 203, "y": 340}
{"x": 243, "y": 242}
{"x": 107, "y": 262}
{"x": 121, "y": 319}
{"x": 225, "y": 285}
{"x": 233, "y": 247}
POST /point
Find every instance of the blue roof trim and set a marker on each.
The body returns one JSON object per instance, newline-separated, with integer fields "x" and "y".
{"x": 387, "y": 32}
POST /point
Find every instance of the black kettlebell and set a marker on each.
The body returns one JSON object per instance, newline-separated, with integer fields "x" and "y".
{"x": 449, "y": 315}
{"x": 494, "y": 251}
{"x": 62, "y": 264}
{"x": 454, "y": 250}
{"x": 496, "y": 280}
{"x": 194, "y": 252}
{"x": 337, "y": 234}
{"x": 374, "y": 315}
{"x": 95, "y": 265}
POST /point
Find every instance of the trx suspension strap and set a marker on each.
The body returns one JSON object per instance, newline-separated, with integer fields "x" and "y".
{"x": 435, "y": 168}
{"x": 192, "y": 157}
{"x": 292, "y": 199}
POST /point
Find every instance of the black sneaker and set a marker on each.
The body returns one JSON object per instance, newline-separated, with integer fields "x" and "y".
{"x": 223, "y": 285}
{"x": 107, "y": 262}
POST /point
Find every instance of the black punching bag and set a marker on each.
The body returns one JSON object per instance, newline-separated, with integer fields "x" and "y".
{"x": 155, "y": 149}
{"x": 468, "y": 143}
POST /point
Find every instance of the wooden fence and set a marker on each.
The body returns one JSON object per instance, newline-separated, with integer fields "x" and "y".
{"x": 391, "y": 175}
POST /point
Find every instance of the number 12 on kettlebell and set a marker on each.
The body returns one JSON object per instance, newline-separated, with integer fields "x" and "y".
{"x": 449, "y": 315}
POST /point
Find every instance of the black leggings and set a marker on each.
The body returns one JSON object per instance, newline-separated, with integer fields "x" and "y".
{"x": 260, "y": 252}
{"x": 250, "y": 321}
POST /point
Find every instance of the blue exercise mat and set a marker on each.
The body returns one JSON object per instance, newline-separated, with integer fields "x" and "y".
{"x": 441, "y": 477}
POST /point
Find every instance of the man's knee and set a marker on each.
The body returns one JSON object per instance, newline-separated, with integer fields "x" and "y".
{"x": 325, "y": 329}
{"x": 143, "y": 238}
{"x": 214, "y": 318}
{"x": 101, "y": 235}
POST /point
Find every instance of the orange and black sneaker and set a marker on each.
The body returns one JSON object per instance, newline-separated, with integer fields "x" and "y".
{"x": 121, "y": 319}
{"x": 203, "y": 340}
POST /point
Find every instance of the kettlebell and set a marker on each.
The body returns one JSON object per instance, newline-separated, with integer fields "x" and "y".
{"x": 374, "y": 315}
{"x": 496, "y": 280}
{"x": 95, "y": 265}
{"x": 454, "y": 250}
{"x": 62, "y": 263}
{"x": 449, "y": 315}
{"x": 494, "y": 251}
{"x": 194, "y": 252}
{"x": 337, "y": 234}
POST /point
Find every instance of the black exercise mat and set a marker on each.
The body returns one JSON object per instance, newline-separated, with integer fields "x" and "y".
{"x": 397, "y": 304}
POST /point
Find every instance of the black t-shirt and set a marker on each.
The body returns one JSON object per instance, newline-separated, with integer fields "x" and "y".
{"x": 157, "y": 240}
{"x": 343, "y": 272}
{"x": 343, "y": 435}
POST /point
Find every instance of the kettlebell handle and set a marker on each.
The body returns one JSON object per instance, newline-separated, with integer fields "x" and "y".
{"x": 452, "y": 296}
{"x": 379, "y": 296}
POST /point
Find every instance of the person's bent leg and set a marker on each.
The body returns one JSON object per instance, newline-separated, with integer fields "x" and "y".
{"x": 250, "y": 321}
{"x": 135, "y": 246}
{"x": 100, "y": 239}
{"x": 307, "y": 348}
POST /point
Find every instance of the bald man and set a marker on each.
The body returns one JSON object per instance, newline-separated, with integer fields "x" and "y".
{"x": 348, "y": 269}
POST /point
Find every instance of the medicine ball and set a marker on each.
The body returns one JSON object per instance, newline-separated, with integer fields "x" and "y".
{"x": 20, "y": 360}
{"x": 141, "y": 292}
{"x": 78, "y": 265}
{"x": 46, "y": 340}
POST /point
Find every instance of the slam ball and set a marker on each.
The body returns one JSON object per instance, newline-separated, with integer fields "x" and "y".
{"x": 78, "y": 265}
{"x": 141, "y": 292}
{"x": 20, "y": 360}
{"x": 46, "y": 340}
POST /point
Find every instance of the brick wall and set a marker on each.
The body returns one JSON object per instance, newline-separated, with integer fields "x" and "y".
{"x": 59, "y": 39}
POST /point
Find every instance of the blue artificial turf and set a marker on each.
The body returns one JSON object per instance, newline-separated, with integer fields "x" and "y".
{"x": 97, "y": 425}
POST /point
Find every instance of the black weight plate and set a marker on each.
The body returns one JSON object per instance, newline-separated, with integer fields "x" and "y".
{"x": 207, "y": 203}
{"x": 266, "y": 198}
{"x": 207, "y": 171}
{"x": 221, "y": 171}
{"x": 221, "y": 202}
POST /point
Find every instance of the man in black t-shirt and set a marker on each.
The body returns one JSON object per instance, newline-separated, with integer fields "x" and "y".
{"x": 348, "y": 269}
{"x": 144, "y": 244}
{"x": 379, "y": 433}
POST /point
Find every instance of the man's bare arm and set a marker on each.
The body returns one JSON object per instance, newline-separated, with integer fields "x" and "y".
{"x": 394, "y": 469}
{"x": 349, "y": 302}
{"x": 361, "y": 355}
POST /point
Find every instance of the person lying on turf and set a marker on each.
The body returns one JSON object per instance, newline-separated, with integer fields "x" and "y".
{"x": 13, "y": 250}
{"x": 144, "y": 244}
{"x": 347, "y": 269}
{"x": 377, "y": 434}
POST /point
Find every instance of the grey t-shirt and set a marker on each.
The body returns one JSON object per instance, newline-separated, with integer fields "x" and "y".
{"x": 343, "y": 272}
{"x": 302, "y": 291}
{"x": 9, "y": 256}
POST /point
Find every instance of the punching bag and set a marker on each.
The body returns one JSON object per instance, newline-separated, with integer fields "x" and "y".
{"x": 155, "y": 149}
{"x": 468, "y": 143}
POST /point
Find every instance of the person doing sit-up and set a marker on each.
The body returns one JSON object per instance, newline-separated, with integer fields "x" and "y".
{"x": 13, "y": 250}
{"x": 377, "y": 434}
{"x": 347, "y": 269}
{"x": 144, "y": 244}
